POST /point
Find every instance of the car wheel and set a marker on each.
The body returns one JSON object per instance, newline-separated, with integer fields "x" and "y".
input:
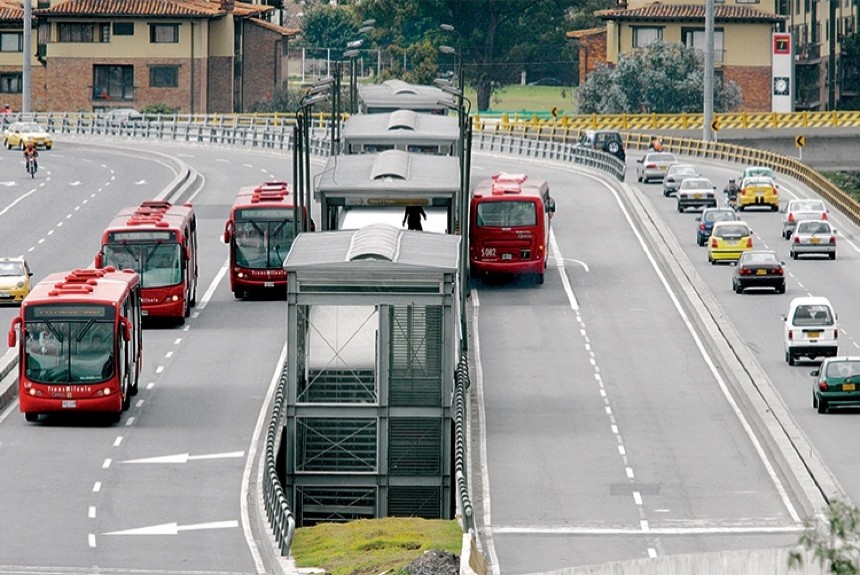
{"x": 638, "y": 177}
{"x": 31, "y": 417}
{"x": 48, "y": 147}
{"x": 665, "y": 193}
{"x": 814, "y": 400}
{"x": 699, "y": 241}
{"x": 21, "y": 145}
{"x": 822, "y": 406}
{"x": 793, "y": 255}
{"x": 774, "y": 208}
{"x": 680, "y": 209}
{"x": 613, "y": 147}
{"x": 832, "y": 256}
{"x": 780, "y": 289}
{"x": 8, "y": 145}
{"x": 790, "y": 358}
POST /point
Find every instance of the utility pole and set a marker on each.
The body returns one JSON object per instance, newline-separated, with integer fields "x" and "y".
{"x": 708, "y": 105}
{"x": 27, "y": 72}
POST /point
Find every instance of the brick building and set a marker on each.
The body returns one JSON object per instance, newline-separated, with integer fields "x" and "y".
{"x": 199, "y": 56}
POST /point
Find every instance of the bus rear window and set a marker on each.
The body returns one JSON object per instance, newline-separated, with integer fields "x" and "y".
{"x": 506, "y": 214}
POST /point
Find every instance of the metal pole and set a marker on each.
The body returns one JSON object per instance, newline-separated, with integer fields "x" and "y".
{"x": 708, "y": 105}
{"x": 335, "y": 108}
{"x": 297, "y": 182}
{"x": 27, "y": 72}
{"x": 307, "y": 169}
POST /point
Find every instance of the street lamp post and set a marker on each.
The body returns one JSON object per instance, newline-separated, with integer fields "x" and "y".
{"x": 302, "y": 153}
{"x": 353, "y": 54}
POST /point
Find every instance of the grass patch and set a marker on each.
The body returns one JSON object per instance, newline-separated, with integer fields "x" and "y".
{"x": 529, "y": 99}
{"x": 372, "y": 546}
{"x": 849, "y": 182}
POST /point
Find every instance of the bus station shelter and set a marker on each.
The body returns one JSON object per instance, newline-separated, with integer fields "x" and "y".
{"x": 389, "y": 179}
{"x": 401, "y": 130}
{"x": 372, "y": 348}
{"x": 393, "y": 95}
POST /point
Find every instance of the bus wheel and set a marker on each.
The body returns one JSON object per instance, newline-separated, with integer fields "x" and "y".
{"x": 240, "y": 294}
{"x": 31, "y": 417}
{"x": 539, "y": 279}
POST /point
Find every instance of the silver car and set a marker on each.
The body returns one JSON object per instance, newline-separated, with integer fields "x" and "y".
{"x": 696, "y": 193}
{"x": 815, "y": 237}
{"x": 803, "y": 209}
{"x": 654, "y": 165}
{"x": 675, "y": 175}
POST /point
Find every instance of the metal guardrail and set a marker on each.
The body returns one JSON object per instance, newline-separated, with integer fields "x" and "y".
{"x": 281, "y": 518}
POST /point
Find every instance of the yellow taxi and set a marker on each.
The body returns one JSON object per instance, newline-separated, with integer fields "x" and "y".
{"x": 729, "y": 239}
{"x": 19, "y": 133}
{"x": 14, "y": 280}
{"x": 758, "y": 191}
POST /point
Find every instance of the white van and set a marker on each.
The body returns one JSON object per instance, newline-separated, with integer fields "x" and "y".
{"x": 810, "y": 329}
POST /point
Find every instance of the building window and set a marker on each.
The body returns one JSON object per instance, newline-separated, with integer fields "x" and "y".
{"x": 693, "y": 38}
{"x": 75, "y": 32}
{"x": 164, "y": 77}
{"x": 11, "y": 41}
{"x": 643, "y": 36}
{"x": 11, "y": 83}
{"x": 123, "y": 28}
{"x": 746, "y": 1}
{"x": 163, "y": 33}
{"x": 113, "y": 83}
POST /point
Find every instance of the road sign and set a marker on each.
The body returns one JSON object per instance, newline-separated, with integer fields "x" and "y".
{"x": 554, "y": 112}
{"x": 715, "y": 125}
{"x": 800, "y": 141}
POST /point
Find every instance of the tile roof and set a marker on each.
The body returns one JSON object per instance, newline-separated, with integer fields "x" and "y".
{"x": 293, "y": 14}
{"x": 132, "y": 8}
{"x": 586, "y": 33}
{"x": 11, "y": 11}
{"x": 690, "y": 13}
{"x": 282, "y": 30}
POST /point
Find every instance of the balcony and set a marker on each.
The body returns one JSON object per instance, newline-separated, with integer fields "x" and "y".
{"x": 808, "y": 54}
{"x": 808, "y": 98}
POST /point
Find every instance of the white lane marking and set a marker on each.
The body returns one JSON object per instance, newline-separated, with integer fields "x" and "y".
{"x": 556, "y": 254}
{"x": 186, "y": 457}
{"x": 97, "y": 486}
{"x": 706, "y": 356}
{"x": 211, "y": 289}
{"x": 486, "y": 514}
{"x": 91, "y": 539}
{"x": 644, "y": 527}
{"x": 91, "y": 512}
{"x": 106, "y": 464}
{"x": 117, "y": 441}
{"x": 175, "y": 529}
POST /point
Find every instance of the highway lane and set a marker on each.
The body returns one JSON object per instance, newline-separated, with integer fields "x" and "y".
{"x": 161, "y": 491}
{"x": 757, "y": 316}
{"x": 608, "y": 433}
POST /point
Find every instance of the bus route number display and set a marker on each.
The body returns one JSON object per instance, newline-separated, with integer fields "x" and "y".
{"x": 69, "y": 311}
{"x": 140, "y": 236}
{"x": 267, "y": 213}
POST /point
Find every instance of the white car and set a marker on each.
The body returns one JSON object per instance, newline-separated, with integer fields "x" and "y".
{"x": 801, "y": 209}
{"x": 654, "y": 165}
{"x": 810, "y": 329}
{"x": 675, "y": 175}
{"x": 813, "y": 237}
{"x": 696, "y": 193}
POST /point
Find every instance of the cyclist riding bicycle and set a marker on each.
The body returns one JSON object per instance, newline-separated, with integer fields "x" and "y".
{"x": 31, "y": 153}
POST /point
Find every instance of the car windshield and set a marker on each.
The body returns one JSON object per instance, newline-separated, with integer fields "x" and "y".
{"x": 811, "y": 206}
{"x": 758, "y": 172}
{"x": 843, "y": 368}
{"x": 759, "y": 259}
{"x": 11, "y": 269}
{"x": 719, "y": 216}
{"x": 690, "y": 184}
{"x": 813, "y": 314}
{"x": 758, "y": 182}
{"x": 811, "y": 228}
{"x": 31, "y": 128}
{"x": 731, "y": 231}
{"x": 661, "y": 158}
{"x": 677, "y": 170}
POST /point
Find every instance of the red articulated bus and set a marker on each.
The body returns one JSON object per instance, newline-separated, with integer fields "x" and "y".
{"x": 509, "y": 225}
{"x": 260, "y": 233}
{"x": 158, "y": 240}
{"x": 80, "y": 343}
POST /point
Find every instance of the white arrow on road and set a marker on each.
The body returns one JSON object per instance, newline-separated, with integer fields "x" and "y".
{"x": 76, "y": 183}
{"x": 8, "y": 184}
{"x": 186, "y": 457}
{"x": 140, "y": 182}
{"x": 174, "y": 529}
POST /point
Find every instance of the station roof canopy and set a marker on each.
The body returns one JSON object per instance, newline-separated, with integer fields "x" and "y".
{"x": 399, "y": 95}
{"x": 392, "y": 177}
{"x": 406, "y": 125}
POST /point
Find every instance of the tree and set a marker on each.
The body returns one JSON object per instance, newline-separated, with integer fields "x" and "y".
{"x": 663, "y": 77}
{"x": 836, "y": 548}
{"x": 327, "y": 26}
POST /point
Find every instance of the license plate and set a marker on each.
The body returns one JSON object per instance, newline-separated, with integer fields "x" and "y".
{"x": 761, "y": 272}
{"x": 4, "y": 294}
{"x": 813, "y": 334}
{"x": 847, "y": 387}
{"x": 268, "y": 284}
{"x": 663, "y": 168}
{"x": 731, "y": 242}
{"x": 507, "y": 256}
{"x": 697, "y": 196}
{"x": 144, "y": 312}
{"x": 69, "y": 404}
{"x": 814, "y": 240}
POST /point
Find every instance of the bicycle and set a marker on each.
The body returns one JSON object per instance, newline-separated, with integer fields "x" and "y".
{"x": 32, "y": 167}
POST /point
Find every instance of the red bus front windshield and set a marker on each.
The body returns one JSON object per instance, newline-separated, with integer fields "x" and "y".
{"x": 506, "y": 214}
{"x": 70, "y": 351}
{"x": 159, "y": 264}
{"x": 263, "y": 237}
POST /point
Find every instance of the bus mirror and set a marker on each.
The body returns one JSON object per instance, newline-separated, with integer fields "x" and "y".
{"x": 98, "y": 260}
{"x": 228, "y": 232}
{"x": 126, "y": 329}
{"x": 12, "y": 338}
{"x": 186, "y": 254}
{"x": 550, "y": 206}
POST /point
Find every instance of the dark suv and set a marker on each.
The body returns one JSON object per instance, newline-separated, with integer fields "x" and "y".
{"x": 609, "y": 141}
